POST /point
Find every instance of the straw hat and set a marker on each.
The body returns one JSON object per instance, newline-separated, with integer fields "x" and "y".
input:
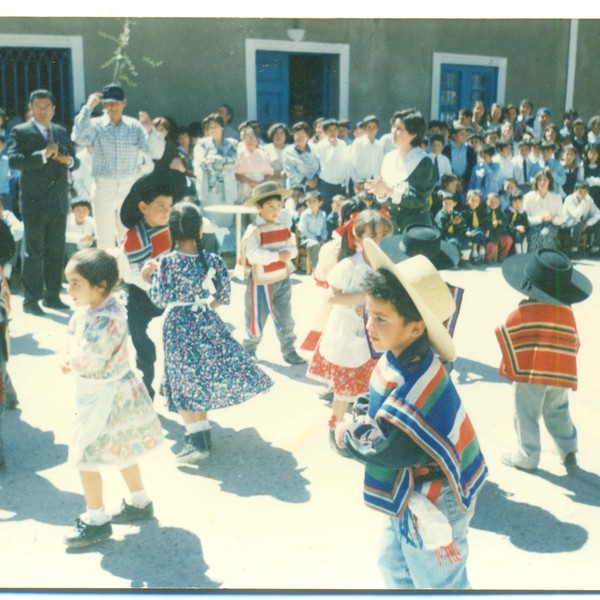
{"x": 427, "y": 290}
{"x": 264, "y": 190}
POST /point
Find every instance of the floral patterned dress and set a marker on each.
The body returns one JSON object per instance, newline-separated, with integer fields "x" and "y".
{"x": 115, "y": 420}
{"x": 204, "y": 366}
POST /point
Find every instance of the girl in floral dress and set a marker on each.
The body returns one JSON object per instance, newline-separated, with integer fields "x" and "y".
{"x": 204, "y": 367}
{"x": 343, "y": 358}
{"x": 115, "y": 421}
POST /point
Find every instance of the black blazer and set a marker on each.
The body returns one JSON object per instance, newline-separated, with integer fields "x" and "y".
{"x": 42, "y": 187}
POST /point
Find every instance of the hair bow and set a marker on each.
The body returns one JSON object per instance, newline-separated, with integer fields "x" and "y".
{"x": 347, "y": 230}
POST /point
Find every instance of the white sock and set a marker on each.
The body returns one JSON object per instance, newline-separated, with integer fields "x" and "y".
{"x": 95, "y": 516}
{"x": 196, "y": 426}
{"x": 140, "y": 499}
{"x": 518, "y": 249}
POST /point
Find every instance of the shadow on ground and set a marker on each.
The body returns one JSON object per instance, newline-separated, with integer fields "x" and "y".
{"x": 472, "y": 371}
{"x": 528, "y": 527}
{"x": 584, "y": 486}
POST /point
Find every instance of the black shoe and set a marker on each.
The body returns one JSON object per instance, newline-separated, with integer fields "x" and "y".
{"x": 570, "y": 461}
{"x": 196, "y": 448}
{"x": 293, "y": 358}
{"x": 86, "y": 535}
{"x": 55, "y": 303}
{"x": 130, "y": 513}
{"x": 33, "y": 308}
{"x": 326, "y": 395}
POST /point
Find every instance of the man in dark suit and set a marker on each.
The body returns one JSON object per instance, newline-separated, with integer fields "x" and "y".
{"x": 43, "y": 152}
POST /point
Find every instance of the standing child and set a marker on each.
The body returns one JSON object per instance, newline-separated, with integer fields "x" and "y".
{"x": 205, "y": 368}
{"x": 591, "y": 171}
{"x": 517, "y": 221}
{"x": 476, "y": 221}
{"x": 423, "y": 464}
{"x": 343, "y": 358}
{"x": 312, "y": 227}
{"x": 115, "y": 422}
{"x": 267, "y": 250}
{"x": 539, "y": 344}
{"x": 499, "y": 239}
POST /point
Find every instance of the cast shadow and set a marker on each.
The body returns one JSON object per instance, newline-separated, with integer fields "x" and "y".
{"x": 155, "y": 557}
{"x": 296, "y": 372}
{"x": 472, "y": 371}
{"x": 584, "y": 486}
{"x": 247, "y": 465}
{"x": 528, "y": 527}
{"x": 25, "y": 493}
{"x": 27, "y": 344}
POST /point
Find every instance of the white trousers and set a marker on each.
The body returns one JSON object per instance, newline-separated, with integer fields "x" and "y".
{"x": 106, "y": 203}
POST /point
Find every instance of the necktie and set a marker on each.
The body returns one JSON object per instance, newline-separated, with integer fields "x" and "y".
{"x": 524, "y": 170}
{"x": 475, "y": 219}
{"x": 49, "y": 135}
{"x": 437, "y": 169}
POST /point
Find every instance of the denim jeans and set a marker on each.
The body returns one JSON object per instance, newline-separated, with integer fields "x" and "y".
{"x": 404, "y": 566}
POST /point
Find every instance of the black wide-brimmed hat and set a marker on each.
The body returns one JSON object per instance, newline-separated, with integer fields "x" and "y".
{"x": 546, "y": 276}
{"x": 146, "y": 189}
{"x": 420, "y": 239}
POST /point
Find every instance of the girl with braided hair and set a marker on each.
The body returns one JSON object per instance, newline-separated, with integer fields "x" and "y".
{"x": 204, "y": 367}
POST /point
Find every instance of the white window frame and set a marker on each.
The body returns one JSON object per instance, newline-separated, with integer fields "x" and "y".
{"x": 341, "y": 50}
{"x": 471, "y": 60}
{"x": 73, "y": 42}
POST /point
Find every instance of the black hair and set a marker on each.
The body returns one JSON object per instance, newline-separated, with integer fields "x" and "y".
{"x": 545, "y": 173}
{"x": 383, "y": 285}
{"x": 185, "y": 222}
{"x": 96, "y": 266}
{"x": 487, "y": 149}
{"x": 213, "y": 118}
{"x": 414, "y": 123}
{"x": 274, "y": 128}
{"x": 301, "y": 126}
{"x": 437, "y": 138}
{"x": 228, "y": 110}
{"x": 516, "y": 195}
{"x": 366, "y": 220}
{"x": 582, "y": 185}
{"x": 42, "y": 94}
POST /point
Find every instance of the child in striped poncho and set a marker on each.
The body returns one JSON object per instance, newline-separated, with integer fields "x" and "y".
{"x": 423, "y": 464}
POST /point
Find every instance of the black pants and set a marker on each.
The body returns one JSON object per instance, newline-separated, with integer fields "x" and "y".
{"x": 140, "y": 311}
{"x": 44, "y": 238}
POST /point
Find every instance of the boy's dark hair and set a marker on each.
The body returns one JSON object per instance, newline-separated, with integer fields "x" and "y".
{"x": 228, "y": 110}
{"x": 465, "y": 112}
{"x": 383, "y": 285}
{"x": 448, "y": 178}
{"x": 437, "y": 138}
{"x": 157, "y": 187}
{"x": 81, "y": 202}
{"x": 301, "y": 126}
{"x": 185, "y": 221}
{"x": 96, "y": 266}
{"x": 327, "y": 123}
{"x": 582, "y": 185}
{"x": 516, "y": 195}
{"x": 345, "y": 123}
{"x": 487, "y": 149}
{"x": 42, "y": 94}
{"x": 524, "y": 143}
{"x": 501, "y": 144}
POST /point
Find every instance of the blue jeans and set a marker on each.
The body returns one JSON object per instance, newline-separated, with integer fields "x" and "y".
{"x": 407, "y": 567}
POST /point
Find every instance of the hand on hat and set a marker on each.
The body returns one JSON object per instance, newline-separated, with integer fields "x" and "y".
{"x": 93, "y": 100}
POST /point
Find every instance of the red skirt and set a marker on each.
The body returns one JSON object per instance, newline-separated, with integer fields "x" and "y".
{"x": 348, "y": 382}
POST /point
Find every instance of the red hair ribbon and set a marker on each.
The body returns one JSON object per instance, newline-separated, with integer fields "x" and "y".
{"x": 347, "y": 228}
{"x": 384, "y": 213}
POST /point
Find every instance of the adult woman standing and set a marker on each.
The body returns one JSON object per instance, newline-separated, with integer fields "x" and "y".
{"x": 407, "y": 173}
{"x": 252, "y": 165}
{"x": 300, "y": 163}
{"x": 544, "y": 212}
{"x": 214, "y": 164}
{"x": 278, "y": 136}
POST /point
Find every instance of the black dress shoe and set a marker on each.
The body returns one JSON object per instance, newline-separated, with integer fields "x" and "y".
{"x": 33, "y": 308}
{"x": 56, "y": 303}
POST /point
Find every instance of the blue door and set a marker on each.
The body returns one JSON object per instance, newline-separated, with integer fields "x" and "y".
{"x": 462, "y": 85}
{"x": 272, "y": 87}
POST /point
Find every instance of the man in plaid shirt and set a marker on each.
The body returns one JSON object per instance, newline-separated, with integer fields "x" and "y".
{"x": 116, "y": 141}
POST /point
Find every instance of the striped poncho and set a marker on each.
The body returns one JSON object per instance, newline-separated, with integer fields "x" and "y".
{"x": 424, "y": 405}
{"x": 539, "y": 345}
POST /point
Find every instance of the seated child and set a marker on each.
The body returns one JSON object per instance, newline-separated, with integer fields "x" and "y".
{"x": 267, "y": 250}
{"x": 475, "y": 218}
{"x": 581, "y": 215}
{"x": 81, "y": 228}
{"x": 333, "y": 218}
{"x": 312, "y": 227}
{"x": 450, "y": 223}
{"x": 499, "y": 237}
{"x": 450, "y": 184}
{"x": 423, "y": 463}
{"x": 517, "y": 221}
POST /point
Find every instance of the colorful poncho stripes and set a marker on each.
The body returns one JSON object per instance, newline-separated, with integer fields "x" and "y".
{"x": 539, "y": 345}
{"x": 426, "y": 407}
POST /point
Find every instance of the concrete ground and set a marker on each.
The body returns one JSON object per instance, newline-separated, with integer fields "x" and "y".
{"x": 274, "y": 508}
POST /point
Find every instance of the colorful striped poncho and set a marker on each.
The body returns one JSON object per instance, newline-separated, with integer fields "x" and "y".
{"x": 425, "y": 406}
{"x": 539, "y": 345}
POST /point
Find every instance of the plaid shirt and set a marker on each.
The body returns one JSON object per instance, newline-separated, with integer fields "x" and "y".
{"x": 115, "y": 147}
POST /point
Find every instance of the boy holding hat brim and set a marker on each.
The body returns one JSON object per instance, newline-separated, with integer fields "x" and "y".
{"x": 539, "y": 345}
{"x": 145, "y": 214}
{"x": 423, "y": 464}
{"x": 267, "y": 251}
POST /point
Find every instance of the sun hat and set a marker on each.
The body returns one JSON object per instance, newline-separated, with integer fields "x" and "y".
{"x": 264, "y": 190}
{"x": 546, "y": 276}
{"x": 427, "y": 290}
{"x": 420, "y": 239}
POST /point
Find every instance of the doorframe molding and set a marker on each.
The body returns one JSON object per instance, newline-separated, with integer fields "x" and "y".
{"x": 71, "y": 42}
{"x": 341, "y": 50}
{"x": 471, "y": 60}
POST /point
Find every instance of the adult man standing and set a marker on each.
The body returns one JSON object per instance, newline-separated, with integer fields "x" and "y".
{"x": 43, "y": 153}
{"x": 116, "y": 141}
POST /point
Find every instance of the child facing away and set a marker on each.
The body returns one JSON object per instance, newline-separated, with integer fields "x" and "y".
{"x": 115, "y": 421}
{"x": 517, "y": 221}
{"x": 145, "y": 212}
{"x": 342, "y": 357}
{"x": 267, "y": 250}
{"x": 312, "y": 227}
{"x": 475, "y": 218}
{"x": 499, "y": 242}
{"x": 539, "y": 344}
{"x": 204, "y": 367}
{"x": 423, "y": 464}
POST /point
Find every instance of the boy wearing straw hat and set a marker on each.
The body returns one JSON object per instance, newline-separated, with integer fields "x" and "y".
{"x": 423, "y": 464}
{"x": 539, "y": 345}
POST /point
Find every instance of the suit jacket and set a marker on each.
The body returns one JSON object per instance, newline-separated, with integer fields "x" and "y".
{"x": 471, "y": 162}
{"x": 42, "y": 186}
